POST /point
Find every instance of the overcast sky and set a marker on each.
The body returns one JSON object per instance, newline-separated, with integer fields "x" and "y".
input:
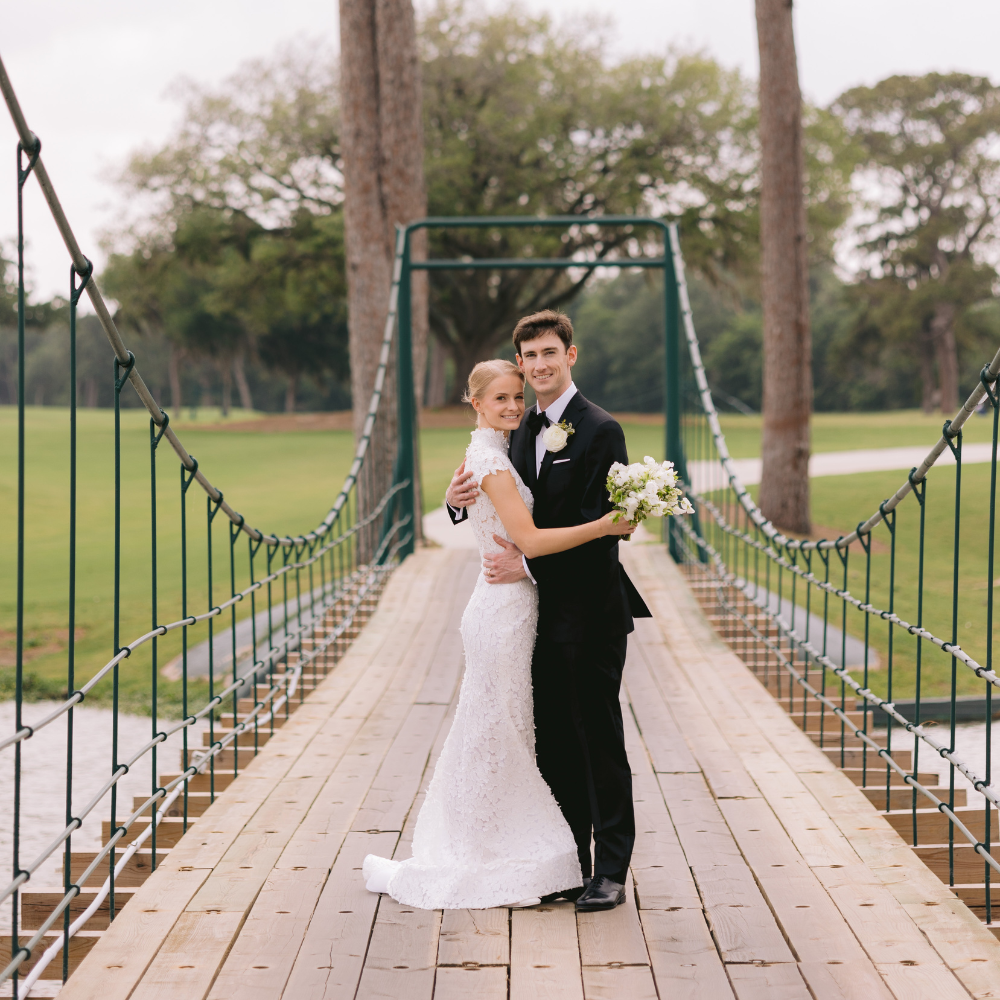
{"x": 94, "y": 79}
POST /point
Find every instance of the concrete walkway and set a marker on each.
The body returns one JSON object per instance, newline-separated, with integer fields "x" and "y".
{"x": 708, "y": 475}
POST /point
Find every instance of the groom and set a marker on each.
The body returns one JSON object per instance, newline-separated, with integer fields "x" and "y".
{"x": 585, "y": 607}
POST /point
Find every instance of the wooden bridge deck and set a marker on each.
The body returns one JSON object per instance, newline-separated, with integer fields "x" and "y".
{"x": 760, "y": 870}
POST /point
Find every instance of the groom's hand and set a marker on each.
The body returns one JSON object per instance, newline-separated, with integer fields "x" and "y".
{"x": 461, "y": 492}
{"x": 505, "y": 566}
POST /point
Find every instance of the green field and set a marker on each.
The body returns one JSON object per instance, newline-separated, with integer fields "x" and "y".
{"x": 286, "y": 482}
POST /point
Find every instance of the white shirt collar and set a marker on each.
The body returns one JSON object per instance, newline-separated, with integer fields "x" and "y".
{"x": 554, "y": 411}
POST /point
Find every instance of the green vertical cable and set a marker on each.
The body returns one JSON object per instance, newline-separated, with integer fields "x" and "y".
{"x": 22, "y": 177}
{"x": 988, "y": 778}
{"x": 890, "y": 522}
{"x": 234, "y": 533}
{"x": 185, "y": 757}
{"x": 121, "y": 373}
{"x": 866, "y": 544}
{"x": 211, "y": 511}
{"x": 154, "y": 680}
{"x": 956, "y": 448}
{"x": 920, "y": 492}
{"x": 75, "y": 292}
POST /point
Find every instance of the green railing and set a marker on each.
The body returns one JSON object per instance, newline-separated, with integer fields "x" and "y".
{"x": 292, "y": 584}
{"x": 917, "y": 590}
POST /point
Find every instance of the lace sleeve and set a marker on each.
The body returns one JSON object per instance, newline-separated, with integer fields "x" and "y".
{"x": 482, "y": 462}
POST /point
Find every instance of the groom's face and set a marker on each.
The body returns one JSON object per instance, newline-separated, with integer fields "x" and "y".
{"x": 546, "y": 363}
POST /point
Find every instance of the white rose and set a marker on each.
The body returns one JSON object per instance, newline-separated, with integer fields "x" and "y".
{"x": 554, "y": 438}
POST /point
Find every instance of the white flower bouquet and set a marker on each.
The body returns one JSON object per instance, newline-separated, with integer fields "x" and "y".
{"x": 645, "y": 489}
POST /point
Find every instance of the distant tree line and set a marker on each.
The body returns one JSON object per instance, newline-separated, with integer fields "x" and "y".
{"x": 230, "y": 270}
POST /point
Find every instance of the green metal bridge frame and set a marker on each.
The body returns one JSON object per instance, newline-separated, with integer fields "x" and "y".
{"x": 407, "y": 399}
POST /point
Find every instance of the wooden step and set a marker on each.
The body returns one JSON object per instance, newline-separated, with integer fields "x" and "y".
{"x": 198, "y": 802}
{"x": 137, "y": 869}
{"x": 79, "y": 947}
{"x": 38, "y": 904}
{"x": 856, "y": 756}
{"x": 170, "y": 830}
{"x": 248, "y": 738}
{"x": 876, "y": 776}
{"x": 225, "y": 759}
{"x": 933, "y": 825}
{"x": 835, "y": 738}
{"x": 902, "y": 798}
{"x": 968, "y": 866}
{"x": 226, "y": 720}
{"x": 827, "y": 718}
{"x": 974, "y": 896}
{"x": 224, "y": 777}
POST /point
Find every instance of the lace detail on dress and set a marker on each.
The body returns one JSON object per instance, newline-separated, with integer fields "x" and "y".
{"x": 489, "y": 832}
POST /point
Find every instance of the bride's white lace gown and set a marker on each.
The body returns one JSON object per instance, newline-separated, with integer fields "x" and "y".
{"x": 490, "y": 832}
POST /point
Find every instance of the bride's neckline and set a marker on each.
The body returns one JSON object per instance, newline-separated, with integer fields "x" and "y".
{"x": 489, "y": 435}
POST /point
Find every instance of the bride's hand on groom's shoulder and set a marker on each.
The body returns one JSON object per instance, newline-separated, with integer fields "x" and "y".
{"x": 462, "y": 492}
{"x": 621, "y": 527}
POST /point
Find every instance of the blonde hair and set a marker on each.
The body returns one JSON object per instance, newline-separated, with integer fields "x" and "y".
{"x": 484, "y": 374}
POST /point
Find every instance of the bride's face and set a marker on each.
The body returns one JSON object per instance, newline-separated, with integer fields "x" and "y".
{"x": 502, "y": 405}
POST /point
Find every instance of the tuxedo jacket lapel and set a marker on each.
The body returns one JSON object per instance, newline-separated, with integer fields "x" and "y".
{"x": 528, "y": 455}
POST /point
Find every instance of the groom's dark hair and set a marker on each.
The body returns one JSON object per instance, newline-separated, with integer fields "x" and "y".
{"x": 537, "y": 324}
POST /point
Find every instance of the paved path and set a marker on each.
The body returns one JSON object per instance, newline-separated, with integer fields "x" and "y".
{"x": 708, "y": 475}
{"x": 760, "y": 871}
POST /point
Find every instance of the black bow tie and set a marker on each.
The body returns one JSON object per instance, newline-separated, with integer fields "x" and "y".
{"x": 536, "y": 421}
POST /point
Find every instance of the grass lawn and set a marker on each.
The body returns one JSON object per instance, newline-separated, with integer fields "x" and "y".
{"x": 286, "y": 482}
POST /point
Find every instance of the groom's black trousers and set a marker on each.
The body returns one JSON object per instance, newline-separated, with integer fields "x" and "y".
{"x": 580, "y": 746}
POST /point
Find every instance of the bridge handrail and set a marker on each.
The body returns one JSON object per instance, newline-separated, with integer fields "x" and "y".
{"x": 395, "y": 534}
{"x": 784, "y": 552}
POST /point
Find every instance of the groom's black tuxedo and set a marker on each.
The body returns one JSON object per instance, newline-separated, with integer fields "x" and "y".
{"x": 586, "y": 604}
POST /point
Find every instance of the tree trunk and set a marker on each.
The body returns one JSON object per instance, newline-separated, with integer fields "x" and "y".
{"x": 946, "y": 355}
{"x": 206, "y": 388}
{"x": 290, "y": 390}
{"x": 90, "y": 393}
{"x": 226, "y": 371}
{"x": 174, "y": 373}
{"x": 928, "y": 387}
{"x": 435, "y": 374}
{"x": 784, "y": 489}
{"x": 382, "y": 141}
{"x": 242, "y": 386}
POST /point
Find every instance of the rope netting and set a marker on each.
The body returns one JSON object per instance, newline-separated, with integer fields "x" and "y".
{"x": 312, "y": 592}
{"x": 790, "y": 597}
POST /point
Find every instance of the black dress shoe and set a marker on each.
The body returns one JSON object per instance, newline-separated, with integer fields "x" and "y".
{"x": 602, "y": 894}
{"x": 571, "y": 894}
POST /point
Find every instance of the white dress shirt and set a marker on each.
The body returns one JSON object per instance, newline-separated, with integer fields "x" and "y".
{"x": 554, "y": 412}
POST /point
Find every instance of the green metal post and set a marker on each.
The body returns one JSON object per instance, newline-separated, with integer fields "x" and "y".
{"x": 407, "y": 402}
{"x": 672, "y": 386}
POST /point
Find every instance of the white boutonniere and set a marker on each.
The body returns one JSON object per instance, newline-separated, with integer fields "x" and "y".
{"x": 556, "y": 436}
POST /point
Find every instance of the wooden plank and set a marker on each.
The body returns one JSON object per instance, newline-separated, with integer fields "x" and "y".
{"x": 483, "y": 983}
{"x": 402, "y": 953}
{"x": 261, "y": 959}
{"x": 634, "y": 982}
{"x": 332, "y": 952}
{"x": 668, "y": 750}
{"x": 613, "y": 937}
{"x": 123, "y": 953}
{"x": 741, "y": 921}
{"x": 686, "y": 964}
{"x": 769, "y": 982}
{"x": 544, "y": 954}
{"x": 190, "y": 957}
{"x": 336, "y": 709}
{"x": 391, "y": 794}
{"x": 475, "y": 937}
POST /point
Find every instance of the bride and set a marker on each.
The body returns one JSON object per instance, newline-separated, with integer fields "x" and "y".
{"x": 490, "y": 832}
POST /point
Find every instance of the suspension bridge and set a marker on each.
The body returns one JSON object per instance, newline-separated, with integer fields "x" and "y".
{"x": 798, "y": 834}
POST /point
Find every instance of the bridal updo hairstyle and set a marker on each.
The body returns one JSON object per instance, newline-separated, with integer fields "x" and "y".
{"x": 482, "y": 376}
